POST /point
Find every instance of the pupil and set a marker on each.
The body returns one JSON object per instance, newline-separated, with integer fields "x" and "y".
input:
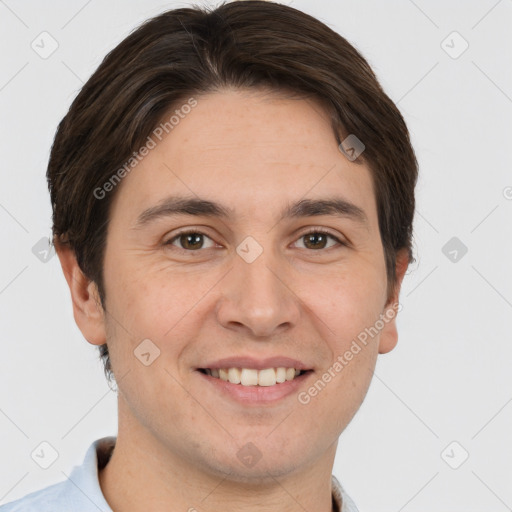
{"x": 314, "y": 236}
{"x": 193, "y": 236}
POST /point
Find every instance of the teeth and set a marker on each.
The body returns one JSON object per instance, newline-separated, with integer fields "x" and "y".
{"x": 280, "y": 375}
{"x": 234, "y": 375}
{"x": 248, "y": 377}
{"x": 267, "y": 377}
{"x": 252, "y": 377}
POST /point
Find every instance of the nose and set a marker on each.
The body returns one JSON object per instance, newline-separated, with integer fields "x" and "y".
{"x": 258, "y": 298}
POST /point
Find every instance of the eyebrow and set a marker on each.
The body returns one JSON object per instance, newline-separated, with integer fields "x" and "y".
{"x": 177, "y": 205}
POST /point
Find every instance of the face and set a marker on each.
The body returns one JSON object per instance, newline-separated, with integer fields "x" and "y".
{"x": 254, "y": 284}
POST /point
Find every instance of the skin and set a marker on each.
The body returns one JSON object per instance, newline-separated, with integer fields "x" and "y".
{"x": 178, "y": 439}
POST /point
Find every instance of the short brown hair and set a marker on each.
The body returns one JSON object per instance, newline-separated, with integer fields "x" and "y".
{"x": 190, "y": 51}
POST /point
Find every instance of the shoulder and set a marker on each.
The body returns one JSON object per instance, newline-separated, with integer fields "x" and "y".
{"x": 80, "y": 492}
{"x": 48, "y": 499}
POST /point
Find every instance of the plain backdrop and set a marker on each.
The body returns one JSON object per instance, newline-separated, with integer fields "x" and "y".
{"x": 443, "y": 394}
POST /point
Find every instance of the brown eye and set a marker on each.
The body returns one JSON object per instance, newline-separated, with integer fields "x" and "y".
{"x": 188, "y": 240}
{"x": 317, "y": 239}
{"x": 192, "y": 241}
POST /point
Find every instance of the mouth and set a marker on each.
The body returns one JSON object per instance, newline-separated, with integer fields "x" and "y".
{"x": 253, "y": 377}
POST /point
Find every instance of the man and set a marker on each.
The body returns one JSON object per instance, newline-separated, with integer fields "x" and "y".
{"x": 233, "y": 197}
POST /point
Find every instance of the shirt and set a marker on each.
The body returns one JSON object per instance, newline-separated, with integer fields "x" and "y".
{"x": 81, "y": 492}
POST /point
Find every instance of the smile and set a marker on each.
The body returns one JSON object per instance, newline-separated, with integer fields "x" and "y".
{"x": 253, "y": 377}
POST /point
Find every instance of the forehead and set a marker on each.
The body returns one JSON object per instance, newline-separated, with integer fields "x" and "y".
{"x": 251, "y": 151}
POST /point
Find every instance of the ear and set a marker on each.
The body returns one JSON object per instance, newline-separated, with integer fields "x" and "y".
{"x": 87, "y": 310}
{"x": 389, "y": 334}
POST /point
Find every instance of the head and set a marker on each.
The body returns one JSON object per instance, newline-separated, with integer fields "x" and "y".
{"x": 245, "y": 106}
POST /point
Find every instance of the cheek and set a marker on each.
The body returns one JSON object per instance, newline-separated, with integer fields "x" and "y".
{"x": 335, "y": 395}
{"x": 152, "y": 303}
{"x": 167, "y": 311}
{"x": 348, "y": 302}
{"x": 348, "y": 307}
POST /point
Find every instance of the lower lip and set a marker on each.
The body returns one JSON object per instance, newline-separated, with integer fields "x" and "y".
{"x": 258, "y": 395}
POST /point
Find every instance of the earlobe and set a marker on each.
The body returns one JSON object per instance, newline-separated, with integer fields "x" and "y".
{"x": 87, "y": 311}
{"x": 388, "y": 337}
{"x": 389, "y": 334}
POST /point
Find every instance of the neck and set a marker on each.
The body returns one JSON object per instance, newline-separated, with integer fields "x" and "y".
{"x": 143, "y": 473}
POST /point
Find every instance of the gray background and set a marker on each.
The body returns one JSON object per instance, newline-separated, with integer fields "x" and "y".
{"x": 449, "y": 378}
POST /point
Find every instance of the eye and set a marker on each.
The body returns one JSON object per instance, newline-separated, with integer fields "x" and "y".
{"x": 191, "y": 241}
{"x": 317, "y": 237}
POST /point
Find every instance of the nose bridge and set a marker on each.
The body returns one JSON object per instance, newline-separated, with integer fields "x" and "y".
{"x": 255, "y": 294}
{"x": 258, "y": 282}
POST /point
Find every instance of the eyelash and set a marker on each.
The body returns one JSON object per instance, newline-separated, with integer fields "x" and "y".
{"x": 309, "y": 232}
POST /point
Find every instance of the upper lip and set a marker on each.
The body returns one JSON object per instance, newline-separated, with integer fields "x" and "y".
{"x": 255, "y": 363}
